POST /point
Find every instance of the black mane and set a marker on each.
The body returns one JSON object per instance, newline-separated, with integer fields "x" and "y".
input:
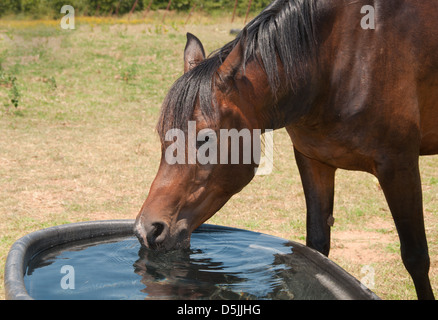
{"x": 284, "y": 29}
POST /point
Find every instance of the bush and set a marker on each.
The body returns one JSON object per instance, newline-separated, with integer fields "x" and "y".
{"x": 41, "y": 8}
{"x": 44, "y": 8}
{"x": 10, "y": 6}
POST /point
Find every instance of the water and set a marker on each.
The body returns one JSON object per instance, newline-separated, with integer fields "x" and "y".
{"x": 222, "y": 263}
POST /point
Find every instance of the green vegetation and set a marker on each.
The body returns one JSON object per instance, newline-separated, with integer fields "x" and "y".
{"x": 9, "y": 80}
{"x": 51, "y": 8}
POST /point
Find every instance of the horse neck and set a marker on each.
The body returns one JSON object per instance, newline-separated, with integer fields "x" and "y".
{"x": 275, "y": 110}
{"x": 296, "y": 96}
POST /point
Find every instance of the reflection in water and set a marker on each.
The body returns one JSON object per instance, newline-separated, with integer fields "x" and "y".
{"x": 222, "y": 263}
{"x": 179, "y": 275}
{"x": 188, "y": 275}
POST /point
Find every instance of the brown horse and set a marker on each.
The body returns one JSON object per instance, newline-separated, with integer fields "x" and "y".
{"x": 352, "y": 93}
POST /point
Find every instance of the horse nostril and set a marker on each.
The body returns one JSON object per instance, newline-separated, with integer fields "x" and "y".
{"x": 156, "y": 233}
{"x": 158, "y": 229}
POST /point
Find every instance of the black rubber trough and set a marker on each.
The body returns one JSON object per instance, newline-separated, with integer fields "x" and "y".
{"x": 222, "y": 263}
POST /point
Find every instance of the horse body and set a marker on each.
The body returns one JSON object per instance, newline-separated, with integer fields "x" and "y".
{"x": 350, "y": 98}
{"x": 377, "y": 89}
{"x": 378, "y": 112}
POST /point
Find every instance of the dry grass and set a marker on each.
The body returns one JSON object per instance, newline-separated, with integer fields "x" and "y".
{"x": 81, "y": 146}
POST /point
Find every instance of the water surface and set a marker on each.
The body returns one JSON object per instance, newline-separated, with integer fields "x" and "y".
{"x": 222, "y": 263}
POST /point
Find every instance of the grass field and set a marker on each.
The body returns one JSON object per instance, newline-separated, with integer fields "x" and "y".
{"x": 77, "y": 142}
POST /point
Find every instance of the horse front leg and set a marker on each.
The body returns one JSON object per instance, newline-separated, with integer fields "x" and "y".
{"x": 401, "y": 183}
{"x": 318, "y": 181}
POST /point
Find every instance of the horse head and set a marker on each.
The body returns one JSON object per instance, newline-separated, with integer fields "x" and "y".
{"x": 207, "y": 127}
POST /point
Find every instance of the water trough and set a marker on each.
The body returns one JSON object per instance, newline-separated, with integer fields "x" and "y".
{"x": 103, "y": 260}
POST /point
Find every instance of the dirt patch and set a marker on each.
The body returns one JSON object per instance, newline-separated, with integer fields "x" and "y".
{"x": 358, "y": 247}
{"x": 365, "y": 247}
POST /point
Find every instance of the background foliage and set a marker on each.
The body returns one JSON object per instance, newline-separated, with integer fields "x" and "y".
{"x": 51, "y": 8}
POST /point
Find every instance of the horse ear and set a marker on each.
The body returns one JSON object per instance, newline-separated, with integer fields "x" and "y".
{"x": 193, "y": 53}
{"x": 235, "y": 58}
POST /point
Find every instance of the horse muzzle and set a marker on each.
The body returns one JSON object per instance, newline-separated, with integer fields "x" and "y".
{"x": 158, "y": 235}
